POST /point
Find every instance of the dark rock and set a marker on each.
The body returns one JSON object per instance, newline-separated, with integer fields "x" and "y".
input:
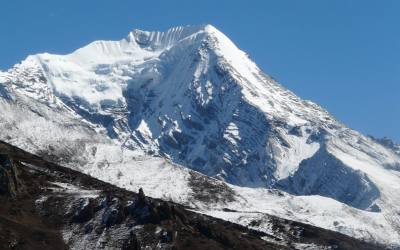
{"x": 191, "y": 124}
{"x": 296, "y": 131}
{"x": 165, "y": 211}
{"x": 88, "y": 228}
{"x": 129, "y": 209}
{"x": 9, "y": 183}
{"x": 141, "y": 197}
{"x": 141, "y": 210}
{"x": 99, "y": 229}
{"x": 179, "y": 214}
{"x": 166, "y": 236}
{"x": 182, "y": 138}
{"x": 132, "y": 243}
{"x": 85, "y": 211}
{"x": 154, "y": 216}
{"x": 114, "y": 214}
{"x": 198, "y": 162}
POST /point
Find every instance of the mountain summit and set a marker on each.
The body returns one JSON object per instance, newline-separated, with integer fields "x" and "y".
{"x": 191, "y": 97}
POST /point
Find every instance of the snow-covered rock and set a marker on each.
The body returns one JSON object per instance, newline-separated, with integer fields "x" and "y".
{"x": 191, "y": 96}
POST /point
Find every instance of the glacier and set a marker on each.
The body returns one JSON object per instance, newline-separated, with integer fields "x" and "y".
{"x": 157, "y": 108}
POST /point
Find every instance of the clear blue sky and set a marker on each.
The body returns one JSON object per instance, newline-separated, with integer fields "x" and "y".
{"x": 342, "y": 54}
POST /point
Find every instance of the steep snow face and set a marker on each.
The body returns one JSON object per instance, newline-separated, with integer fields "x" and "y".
{"x": 388, "y": 143}
{"x": 191, "y": 96}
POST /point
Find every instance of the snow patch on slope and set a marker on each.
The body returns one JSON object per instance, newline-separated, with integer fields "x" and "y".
{"x": 161, "y": 179}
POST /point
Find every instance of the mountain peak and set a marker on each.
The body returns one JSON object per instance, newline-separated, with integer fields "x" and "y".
{"x": 165, "y": 39}
{"x": 99, "y": 72}
{"x": 139, "y": 44}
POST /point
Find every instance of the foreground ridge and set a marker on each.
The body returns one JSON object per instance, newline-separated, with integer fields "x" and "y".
{"x": 59, "y": 208}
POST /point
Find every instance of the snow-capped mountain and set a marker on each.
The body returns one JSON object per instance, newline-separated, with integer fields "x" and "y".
{"x": 191, "y": 96}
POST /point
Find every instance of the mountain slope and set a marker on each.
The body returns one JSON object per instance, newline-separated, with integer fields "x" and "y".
{"x": 57, "y": 208}
{"x": 191, "y": 96}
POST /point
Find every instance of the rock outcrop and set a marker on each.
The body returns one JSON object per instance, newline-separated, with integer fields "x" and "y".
{"x": 9, "y": 183}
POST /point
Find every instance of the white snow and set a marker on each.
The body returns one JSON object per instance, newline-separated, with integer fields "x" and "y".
{"x": 155, "y": 175}
{"x": 232, "y": 133}
{"x": 66, "y": 188}
{"x": 161, "y": 179}
{"x": 143, "y": 128}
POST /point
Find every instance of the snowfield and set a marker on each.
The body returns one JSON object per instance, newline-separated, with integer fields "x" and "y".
{"x": 162, "y": 179}
{"x": 189, "y": 117}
